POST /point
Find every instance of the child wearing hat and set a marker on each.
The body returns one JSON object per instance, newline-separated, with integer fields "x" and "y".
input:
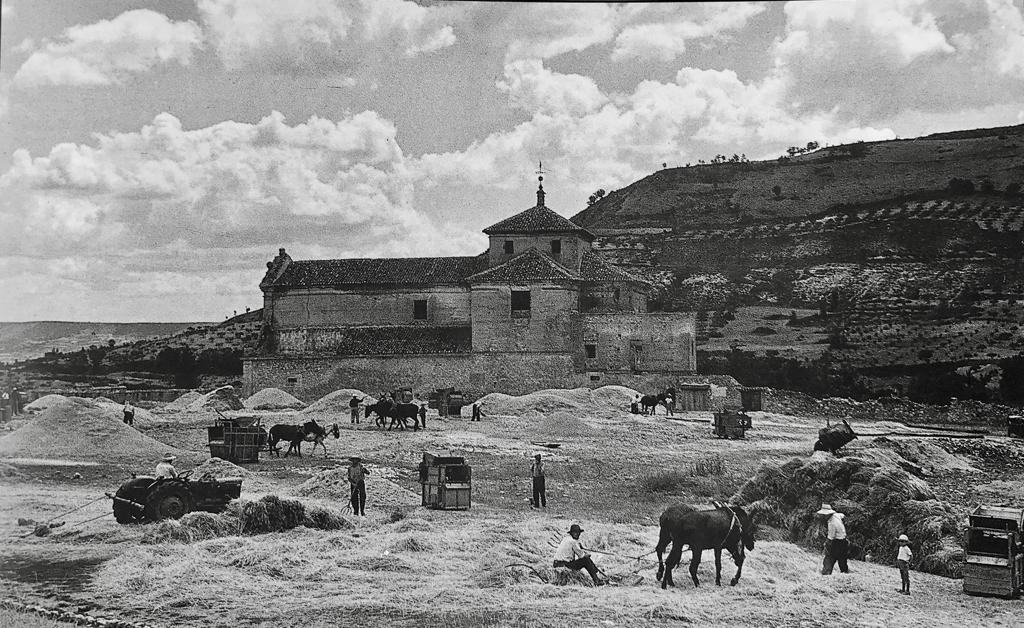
{"x": 903, "y": 557}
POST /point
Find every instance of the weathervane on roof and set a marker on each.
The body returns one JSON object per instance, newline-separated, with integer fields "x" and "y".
{"x": 540, "y": 185}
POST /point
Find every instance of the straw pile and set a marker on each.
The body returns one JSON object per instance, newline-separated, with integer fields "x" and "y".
{"x": 182, "y": 402}
{"x": 273, "y": 399}
{"x": 615, "y": 397}
{"x": 44, "y": 402}
{"x": 270, "y": 513}
{"x": 332, "y": 485}
{"x": 77, "y": 429}
{"x": 880, "y": 500}
{"x": 562, "y": 424}
{"x": 116, "y": 411}
{"x": 578, "y": 400}
{"x": 223, "y": 398}
{"x": 337, "y": 401}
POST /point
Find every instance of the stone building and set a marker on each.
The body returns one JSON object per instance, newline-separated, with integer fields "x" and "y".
{"x": 538, "y": 309}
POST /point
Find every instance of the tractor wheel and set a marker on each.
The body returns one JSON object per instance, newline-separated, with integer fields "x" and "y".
{"x": 168, "y": 501}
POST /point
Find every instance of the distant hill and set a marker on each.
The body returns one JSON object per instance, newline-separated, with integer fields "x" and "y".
{"x": 909, "y": 252}
{"x": 22, "y": 341}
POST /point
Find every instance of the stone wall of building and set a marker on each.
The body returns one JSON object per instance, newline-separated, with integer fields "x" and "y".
{"x": 547, "y": 326}
{"x": 325, "y": 307}
{"x": 573, "y": 248}
{"x": 659, "y": 342}
{"x": 613, "y": 297}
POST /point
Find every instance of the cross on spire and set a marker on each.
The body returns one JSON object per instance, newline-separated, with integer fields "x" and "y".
{"x": 540, "y": 185}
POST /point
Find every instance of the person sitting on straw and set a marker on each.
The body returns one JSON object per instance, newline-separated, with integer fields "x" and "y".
{"x": 164, "y": 468}
{"x": 836, "y": 545}
{"x": 903, "y": 562}
{"x": 570, "y": 554}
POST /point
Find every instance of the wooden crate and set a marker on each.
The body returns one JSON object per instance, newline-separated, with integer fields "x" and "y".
{"x": 990, "y": 575}
{"x": 995, "y": 552}
{"x": 445, "y": 482}
{"x": 729, "y": 424}
{"x": 236, "y": 440}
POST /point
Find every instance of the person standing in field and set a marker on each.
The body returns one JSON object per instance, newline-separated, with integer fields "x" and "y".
{"x": 903, "y": 557}
{"x": 423, "y": 415}
{"x": 537, "y": 472}
{"x": 357, "y": 483}
{"x": 353, "y": 406}
{"x": 836, "y": 545}
{"x": 477, "y": 412}
{"x": 129, "y": 413}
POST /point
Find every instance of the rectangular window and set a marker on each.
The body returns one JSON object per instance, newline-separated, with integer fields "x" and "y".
{"x": 636, "y": 355}
{"x": 591, "y": 351}
{"x": 419, "y": 310}
{"x": 556, "y": 247}
{"x": 510, "y": 247}
{"x": 595, "y": 378}
{"x": 292, "y": 381}
{"x": 520, "y": 300}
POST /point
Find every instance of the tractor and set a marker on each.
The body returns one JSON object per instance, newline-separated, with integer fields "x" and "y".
{"x": 145, "y": 498}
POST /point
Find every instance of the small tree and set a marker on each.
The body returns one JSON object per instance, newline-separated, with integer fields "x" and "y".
{"x": 596, "y": 196}
{"x": 777, "y": 191}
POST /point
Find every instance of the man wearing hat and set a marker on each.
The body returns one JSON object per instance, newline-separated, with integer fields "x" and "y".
{"x": 164, "y": 468}
{"x": 537, "y": 471}
{"x": 570, "y": 554}
{"x": 903, "y": 557}
{"x": 356, "y": 479}
{"x": 353, "y": 406}
{"x": 836, "y": 545}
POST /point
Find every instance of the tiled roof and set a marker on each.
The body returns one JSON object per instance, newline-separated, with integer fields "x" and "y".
{"x": 595, "y": 268}
{"x": 402, "y": 271}
{"x": 530, "y": 265}
{"x": 537, "y": 219}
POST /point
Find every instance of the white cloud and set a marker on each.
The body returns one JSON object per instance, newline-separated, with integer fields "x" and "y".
{"x": 534, "y": 88}
{"x": 544, "y": 30}
{"x": 6, "y": 11}
{"x": 663, "y": 33}
{"x": 320, "y": 35}
{"x": 110, "y": 51}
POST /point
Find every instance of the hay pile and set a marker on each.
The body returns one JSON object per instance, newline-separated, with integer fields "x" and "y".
{"x": 925, "y": 456}
{"x": 562, "y": 424}
{"x": 615, "y": 397}
{"x": 337, "y": 401}
{"x": 381, "y": 492}
{"x": 270, "y": 513}
{"x": 223, "y": 398}
{"x": 77, "y": 429}
{"x": 578, "y": 400}
{"x": 115, "y": 410}
{"x": 44, "y": 402}
{"x": 880, "y": 500}
{"x": 182, "y": 402}
{"x": 273, "y": 399}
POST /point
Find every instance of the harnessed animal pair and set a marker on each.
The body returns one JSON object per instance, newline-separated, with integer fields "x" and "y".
{"x": 399, "y": 413}
{"x": 725, "y": 527}
{"x": 310, "y": 431}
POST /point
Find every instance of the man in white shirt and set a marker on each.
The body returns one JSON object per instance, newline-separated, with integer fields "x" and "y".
{"x": 570, "y": 554}
{"x": 164, "y": 468}
{"x": 836, "y": 545}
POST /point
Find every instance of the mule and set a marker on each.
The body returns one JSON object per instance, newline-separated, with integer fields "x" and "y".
{"x": 318, "y": 439}
{"x": 295, "y": 434}
{"x": 399, "y": 413}
{"x": 725, "y": 527}
{"x": 649, "y": 402}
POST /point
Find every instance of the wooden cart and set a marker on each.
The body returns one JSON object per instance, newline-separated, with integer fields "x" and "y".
{"x": 446, "y": 482}
{"x": 995, "y": 552}
{"x": 731, "y": 424}
{"x": 237, "y": 439}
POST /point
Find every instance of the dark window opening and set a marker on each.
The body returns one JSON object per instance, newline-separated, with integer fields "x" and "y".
{"x": 510, "y": 247}
{"x": 556, "y": 247}
{"x": 520, "y": 300}
{"x": 637, "y": 354}
{"x": 595, "y": 378}
{"x": 419, "y": 310}
{"x": 293, "y": 381}
{"x": 617, "y": 294}
{"x": 591, "y": 351}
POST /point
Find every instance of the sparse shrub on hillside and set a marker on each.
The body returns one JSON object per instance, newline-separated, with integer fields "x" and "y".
{"x": 987, "y": 187}
{"x": 777, "y": 191}
{"x": 960, "y": 186}
{"x": 1013, "y": 188}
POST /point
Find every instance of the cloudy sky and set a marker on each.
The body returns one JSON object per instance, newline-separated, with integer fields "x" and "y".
{"x": 154, "y": 155}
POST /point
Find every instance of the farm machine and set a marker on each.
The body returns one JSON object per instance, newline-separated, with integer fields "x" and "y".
{"x": 145, "y": 498}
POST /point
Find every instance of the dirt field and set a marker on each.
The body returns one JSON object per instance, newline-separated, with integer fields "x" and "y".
{"x": 403, "y": 565}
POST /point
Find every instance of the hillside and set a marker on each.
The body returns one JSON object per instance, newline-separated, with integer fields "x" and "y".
{"x": 907, "y": 253}
{"x": 21, "y": 341}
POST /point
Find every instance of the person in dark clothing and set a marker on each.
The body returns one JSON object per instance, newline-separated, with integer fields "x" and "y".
{"x": 537, "y": 471}
{"x": 477, "y": 412}
{"x": 353, "y": 406}
{"x": 423, "y": 415}
{"x": 570, "y": 554}
{"x": 129, "y": 413}
{"x": 357, "y": 483}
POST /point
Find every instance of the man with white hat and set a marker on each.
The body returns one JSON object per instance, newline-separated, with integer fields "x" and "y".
{"x": 570, "y": 554}
{"x": 836, "y": 545}
{"x": 164, "y": 468}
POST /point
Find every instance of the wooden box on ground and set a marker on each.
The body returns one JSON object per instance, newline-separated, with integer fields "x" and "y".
{"x": 446, "y": 482}
{"x": 995, "y": 552}
{"x": 750, "y": 398}
{"x": 237, "y": 439}
{"x": 731, "y": 424}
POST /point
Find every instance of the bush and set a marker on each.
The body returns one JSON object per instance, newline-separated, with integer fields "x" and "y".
{"x": 671, "y": 481}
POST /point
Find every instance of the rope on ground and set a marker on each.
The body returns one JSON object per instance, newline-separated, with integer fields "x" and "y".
{"x": 74, "y": 509}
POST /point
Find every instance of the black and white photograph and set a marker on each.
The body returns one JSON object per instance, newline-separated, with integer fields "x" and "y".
{"x": 446, "y": 314}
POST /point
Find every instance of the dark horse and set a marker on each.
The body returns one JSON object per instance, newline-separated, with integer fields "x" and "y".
{"x": 399, "y": 413}
{"x": 728, "y": 527}
{"x": 295, "y": 434}
{"x": 648, "y": 402}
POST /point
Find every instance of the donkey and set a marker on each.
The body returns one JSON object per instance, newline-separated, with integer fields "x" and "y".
{"x": 649, "y": 402}
{"x": 728, "y": 527}
{"x": 295, "y": 434}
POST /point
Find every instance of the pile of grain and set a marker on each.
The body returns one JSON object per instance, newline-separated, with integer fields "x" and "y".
{"x": 381, "y": 492}
{"x": 337, "y": 401}
{"x": 578, "y": 400}
{"x": 182, "y": 402}
{"x": 273, "y": 399}
{"x": 561, "y": 424}
{"x": 115, "y": 410}
{"x": 270, "y": 513}
{"x": 223, "y": 398}
{"x": 45, "y": 402}
{"x": 77, "y": 429}
{"x": 880, "y": 500}
{"x": 924, "y": 456}
{"x": 615, "y": 397}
